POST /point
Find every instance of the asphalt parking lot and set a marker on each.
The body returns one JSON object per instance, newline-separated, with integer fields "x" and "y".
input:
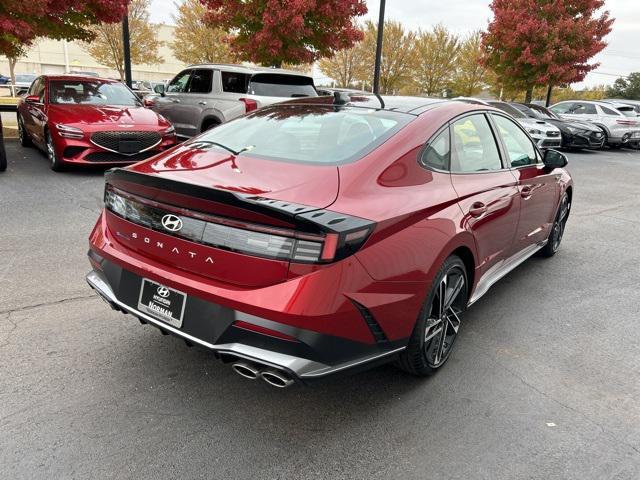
{"x": 544, "y": 382}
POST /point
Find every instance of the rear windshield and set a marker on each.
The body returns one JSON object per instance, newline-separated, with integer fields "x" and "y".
{"x": 275, "y": 85}
{"x": 544, "y": 113}
{"x": 628, "y": 111}
{"x": 91, "y": 92}
{"x": 505, "y": 107}
{"x": 307, "y": 134}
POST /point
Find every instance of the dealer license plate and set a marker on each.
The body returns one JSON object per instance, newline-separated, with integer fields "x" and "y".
{"x": 162, "y": 302}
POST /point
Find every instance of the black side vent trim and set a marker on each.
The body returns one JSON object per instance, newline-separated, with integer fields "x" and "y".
{"x": 374, "y": 326}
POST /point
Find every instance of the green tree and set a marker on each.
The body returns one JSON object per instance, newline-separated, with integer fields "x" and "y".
{"x": 435, "y": 58}
{"x": 195, "y": 40}
{"x": 107, "y": 47}
{"x": 470, "y": 76}
{"x": 398, "y": 55}
{"x": 626, "y": 87}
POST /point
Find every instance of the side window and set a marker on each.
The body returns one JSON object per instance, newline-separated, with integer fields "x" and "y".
{"x": 583, "y": 109}
{"x": 234, "y": 82}
{"x": 520, "y": 148}
{"x": 34, "y": 86}
{"x": 609, "y": 111}
{"x": 473, "y": 146}
{"x": 201, "y": 81}
{"x": 179, "y": 82}
{"x": 562, "y": 108}
{"x": 437, "y": 153}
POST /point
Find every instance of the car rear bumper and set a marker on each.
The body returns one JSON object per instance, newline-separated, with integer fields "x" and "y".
{"x": 231, "y": 343}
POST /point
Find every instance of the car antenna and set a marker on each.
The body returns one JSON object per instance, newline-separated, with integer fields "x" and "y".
{"x": 380, "y": 100}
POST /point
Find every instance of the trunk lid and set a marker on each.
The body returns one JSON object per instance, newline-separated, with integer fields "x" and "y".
{"x": 218, "y": 197}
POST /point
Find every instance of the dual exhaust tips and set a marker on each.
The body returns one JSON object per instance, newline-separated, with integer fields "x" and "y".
{"x": 273, "y": 377}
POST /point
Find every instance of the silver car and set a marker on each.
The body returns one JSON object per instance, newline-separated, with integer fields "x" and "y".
{"x": 204, "y": 96}
{"x": 543, "y": 133}
{"x": 618, "y": 127}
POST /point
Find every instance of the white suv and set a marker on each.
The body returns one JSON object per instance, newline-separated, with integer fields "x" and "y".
{"x": 618, "y": 128}
{"x": 204, "y": 96}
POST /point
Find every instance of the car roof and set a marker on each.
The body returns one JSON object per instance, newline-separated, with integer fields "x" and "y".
{"x": 246, "y": 69}
{"x": 411, "y": 105}
{"x": 78, "y": 76}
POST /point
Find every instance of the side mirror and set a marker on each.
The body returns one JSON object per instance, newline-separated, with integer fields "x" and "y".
{"x": 555, "y": 159}
{"x": 32, "y": 99}
{"x": 159, "y": 89}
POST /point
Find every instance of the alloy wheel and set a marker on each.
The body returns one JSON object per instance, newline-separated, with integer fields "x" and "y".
{"x": 20, "y": 131}
{"x": 443, "y": 322}
{"x": 51, "y": 152}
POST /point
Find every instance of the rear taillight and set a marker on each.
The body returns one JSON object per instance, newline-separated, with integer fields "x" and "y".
{"x": 338, "y": 235}
{"x": 249, "y": 105}
{"x": 629, "y": 123}
{"x": 148, "y": 102}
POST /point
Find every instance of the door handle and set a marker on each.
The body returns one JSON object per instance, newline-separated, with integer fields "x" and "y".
{"x": 175, "y": 100}
{"x": 478, "y": 209}
{"x": 525, "y": 192}
{"x": 202, "y": 103}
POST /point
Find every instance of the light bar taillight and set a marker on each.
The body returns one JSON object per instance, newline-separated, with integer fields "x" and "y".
{"x": 249, "y": 104}
{"x": 235, "y": 235}
{"x": 630, "y": 123}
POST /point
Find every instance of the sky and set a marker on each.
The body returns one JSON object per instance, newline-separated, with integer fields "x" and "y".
{"x": 621, "y": 57}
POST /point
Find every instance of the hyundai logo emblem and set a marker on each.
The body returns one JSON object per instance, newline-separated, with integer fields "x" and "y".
{"x": 171, "y": 222}
{"x": 163, "y": 292}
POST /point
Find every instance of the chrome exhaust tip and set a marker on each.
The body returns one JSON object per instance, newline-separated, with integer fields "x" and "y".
{"x": 246, "y": 370}
{"x": 276, "y": 378}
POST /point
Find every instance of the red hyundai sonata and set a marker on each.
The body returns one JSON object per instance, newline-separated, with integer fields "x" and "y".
{"x": 88, "y": 120}
{"x": 328, "y": 235}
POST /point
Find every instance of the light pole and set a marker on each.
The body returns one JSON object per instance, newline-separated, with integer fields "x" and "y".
{"x": 376, "y": 69}
{"x": 126, "y": 47}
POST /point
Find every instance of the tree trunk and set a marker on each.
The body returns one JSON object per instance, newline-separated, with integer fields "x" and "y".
{"x": 549, "y": 91}
{"x": 529, "y": 95}
{"x": 12, "y": 71}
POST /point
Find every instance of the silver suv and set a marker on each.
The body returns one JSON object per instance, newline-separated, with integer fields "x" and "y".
{"x": 618, "y": 127}
{"x": 204, "y": 96}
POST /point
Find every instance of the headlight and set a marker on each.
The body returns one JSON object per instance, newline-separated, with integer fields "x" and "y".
{"x": 533, "y": 131}
{"x": 169, "y": 130}
{"x": 67, "y": 131}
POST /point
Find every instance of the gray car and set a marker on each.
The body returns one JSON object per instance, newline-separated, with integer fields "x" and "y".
{"x": 204, "y": 96}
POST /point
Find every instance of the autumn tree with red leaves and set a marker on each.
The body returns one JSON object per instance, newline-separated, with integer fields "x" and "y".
{"x": 273, "y": 32}
{"x": 22, "y": 21}
{"x": 544, "y": 42}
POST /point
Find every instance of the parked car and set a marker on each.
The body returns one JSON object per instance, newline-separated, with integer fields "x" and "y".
{"x": 328, "y": 234}
{"x": 574, "y": 134}
{"x": 632, "y": 103}
{"x": 204, "y": 96}
{"x": 618, "y": 128}
{"x": 545, "y": 134}
{"x": 23, "y": 82}
{"x": 86, "y": 120}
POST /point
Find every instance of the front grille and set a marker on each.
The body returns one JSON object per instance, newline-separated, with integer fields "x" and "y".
{"x": 126, "y": 143}
{"x": 106, "y": 157}
{"x": 553, "y": 134}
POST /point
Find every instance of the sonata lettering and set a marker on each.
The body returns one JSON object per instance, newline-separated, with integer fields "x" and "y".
{"x": 160, "y": 245}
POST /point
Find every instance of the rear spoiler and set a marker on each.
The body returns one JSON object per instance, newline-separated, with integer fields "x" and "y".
{"x": 304, "y": 218}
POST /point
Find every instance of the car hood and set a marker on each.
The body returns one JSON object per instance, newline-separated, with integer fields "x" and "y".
{"x": 537, "y": 124}
{"x": 102, "y": 115}
{"x": 311, "y": 185}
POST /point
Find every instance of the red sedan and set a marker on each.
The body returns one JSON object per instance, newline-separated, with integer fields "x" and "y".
{"x": 327, "y": 235}
{"x": 87, "y": 120}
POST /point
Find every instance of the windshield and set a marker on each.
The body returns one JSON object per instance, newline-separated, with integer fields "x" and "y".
{"x": 91, "y": 92}
{"x": 505, "y": 107}
{"x": 544, "y": 113}
{"x": 307, "y": 134}
{"x": 276, "y": 85}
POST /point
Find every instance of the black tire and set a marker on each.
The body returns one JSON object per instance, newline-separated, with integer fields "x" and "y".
{"x": 23, "y": 135}
{"x": 427, "y": 350}
{"x": 3, "y": 155}
{"x": 557, "y": 230}
{"x": 55, "y": 163}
